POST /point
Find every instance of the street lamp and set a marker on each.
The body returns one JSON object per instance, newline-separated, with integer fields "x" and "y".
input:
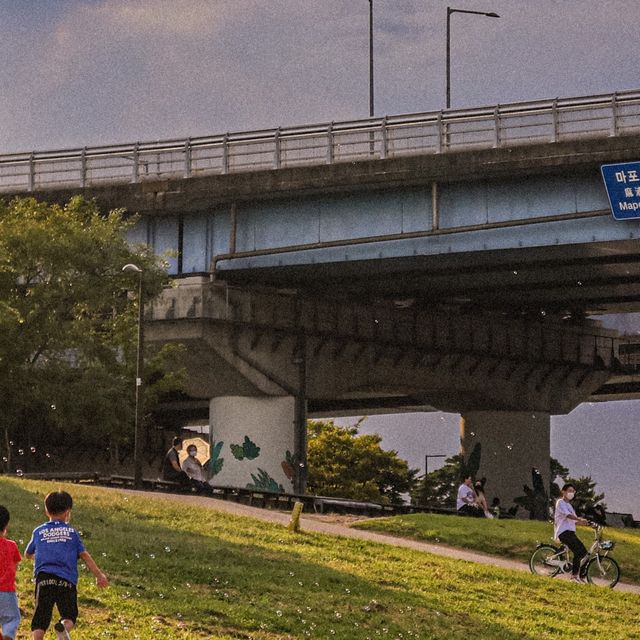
{"x": 371, "y": 109}
{"x": 449, "y": 12}
{"x": 426, "y": 460}
{"x": 137, "y": 442}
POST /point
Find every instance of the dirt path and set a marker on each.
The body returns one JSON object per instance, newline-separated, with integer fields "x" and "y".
{"x": 338, "y": 526}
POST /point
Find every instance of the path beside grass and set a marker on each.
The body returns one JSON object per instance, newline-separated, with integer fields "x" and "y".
{"x": 320, "y": 524}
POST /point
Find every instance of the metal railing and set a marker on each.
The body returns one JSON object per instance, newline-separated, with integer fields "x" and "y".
{"x": 435, "y": 132}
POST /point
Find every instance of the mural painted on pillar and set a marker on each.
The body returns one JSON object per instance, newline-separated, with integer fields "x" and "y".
{"x": 262, "y": 481}
{"x": 248, "y": 450}
{"x": 215, "y": 461}
{"x": 289, "y": 465}
{"x": 472, "y": 465}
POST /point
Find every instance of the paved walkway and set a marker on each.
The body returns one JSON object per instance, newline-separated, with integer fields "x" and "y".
{"x": 323, "y": 524}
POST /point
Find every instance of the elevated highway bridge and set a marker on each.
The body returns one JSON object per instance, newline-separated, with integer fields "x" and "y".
{"x": 456, "y": 260}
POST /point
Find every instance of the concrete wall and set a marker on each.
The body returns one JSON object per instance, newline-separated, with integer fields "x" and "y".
{"x": 254, "y": 437}
{"x": 512, "y": 444}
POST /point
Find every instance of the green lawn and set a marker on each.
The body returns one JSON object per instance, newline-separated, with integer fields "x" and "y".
{"x": 186, "y": 573}
{"x": 509, "y": 538}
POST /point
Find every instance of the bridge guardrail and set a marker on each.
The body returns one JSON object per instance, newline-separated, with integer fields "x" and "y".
{"x": 329, "y": 143}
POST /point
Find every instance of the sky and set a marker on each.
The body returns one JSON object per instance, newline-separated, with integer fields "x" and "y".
{"x": 87, "y": 72}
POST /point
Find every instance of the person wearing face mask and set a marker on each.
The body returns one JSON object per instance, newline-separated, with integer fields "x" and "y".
{"x": 565, "y": 520}
{"x": 193, "y": 468}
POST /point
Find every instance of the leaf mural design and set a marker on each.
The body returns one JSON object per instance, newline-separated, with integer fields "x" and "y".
{"x": 264, "y": 482}
{"x": 238, "y": 451}
{"x": 251, "y": 450}
{"x": 248, "y": 449}
{"x": 215, "y": 461}
{"x": 289, "y": 465}
{"x": 473, "y": 463}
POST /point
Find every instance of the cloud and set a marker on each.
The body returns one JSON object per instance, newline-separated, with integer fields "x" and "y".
{"x": 86, "y": 72}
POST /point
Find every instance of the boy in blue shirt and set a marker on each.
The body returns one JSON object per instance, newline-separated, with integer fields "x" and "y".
{"x": 56, "y": 547}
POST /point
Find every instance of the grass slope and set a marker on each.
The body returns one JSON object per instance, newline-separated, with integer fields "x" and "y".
{"x": 184, "y": 573}
{"x": 508, "y": 538}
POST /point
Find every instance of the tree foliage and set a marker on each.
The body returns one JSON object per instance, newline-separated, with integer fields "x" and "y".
{"x": 67, "y": 325}
{"x": 439, "y": 488}
{"x": 345, "y": 464}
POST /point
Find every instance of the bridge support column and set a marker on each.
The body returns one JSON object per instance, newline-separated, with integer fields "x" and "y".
{"x": 252, "y": 442}
{"x": 512, "y": 443}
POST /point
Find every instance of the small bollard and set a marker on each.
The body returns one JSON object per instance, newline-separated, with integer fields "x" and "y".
{"x": 294, "y": 523}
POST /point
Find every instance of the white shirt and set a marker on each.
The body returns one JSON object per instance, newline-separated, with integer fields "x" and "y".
{"x": 466, "y": 495}
{"x": 560, "y": 521}
{"x": 193, "y": 469}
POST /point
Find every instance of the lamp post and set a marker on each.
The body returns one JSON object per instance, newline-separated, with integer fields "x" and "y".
{"x": 449, "y": 12}
{"x": 426, "y": 460}
{"x": 137, "y": 442}
{"x": 371, "y": 104}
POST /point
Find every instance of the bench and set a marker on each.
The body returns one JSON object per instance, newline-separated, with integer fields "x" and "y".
{"x": 154, "y": 484}
{"x": 90, "y": 477}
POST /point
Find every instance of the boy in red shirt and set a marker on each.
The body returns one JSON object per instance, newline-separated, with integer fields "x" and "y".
{"x": 9, "y": 559}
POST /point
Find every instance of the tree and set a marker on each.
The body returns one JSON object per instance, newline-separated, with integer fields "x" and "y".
{"x": 440, "y": 487}
{"x": 67, "y": 327}
{"x": 344, "y": 464}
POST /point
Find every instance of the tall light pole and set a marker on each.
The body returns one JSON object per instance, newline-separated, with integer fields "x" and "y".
{"x": 426, "y": 460}
{"x": 371, "y": 103}
{"x": 449, "y": 12}
{"x": 138, "y": 431}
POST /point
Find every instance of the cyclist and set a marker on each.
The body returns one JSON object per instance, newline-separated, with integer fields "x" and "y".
{"x": 565, "y": 520}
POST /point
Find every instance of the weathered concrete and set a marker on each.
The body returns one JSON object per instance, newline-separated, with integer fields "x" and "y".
{"x": 506, "y": 377}
{"x": 512, "y": 444}
{"x": 255, "y": 439}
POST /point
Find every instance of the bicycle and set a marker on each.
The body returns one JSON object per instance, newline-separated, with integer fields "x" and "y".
{"x": 596, "y": 566}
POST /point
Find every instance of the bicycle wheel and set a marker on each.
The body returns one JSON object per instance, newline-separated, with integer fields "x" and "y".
{"x": 603, "y": 571}
{"x": 540, "y": 561}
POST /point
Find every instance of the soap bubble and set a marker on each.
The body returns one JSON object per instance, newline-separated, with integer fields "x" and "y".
{"x": 32, "y": 449}
{"x": 20, "y": 452}
{"x": 19, "y": 472}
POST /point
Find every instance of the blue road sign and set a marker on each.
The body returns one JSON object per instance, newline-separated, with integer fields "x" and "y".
{"x": 622, "y": 182}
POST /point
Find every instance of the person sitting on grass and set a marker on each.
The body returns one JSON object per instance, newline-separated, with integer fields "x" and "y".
{"x": 467, "y": 504}
{"x": 9, "y": 559}
{"x": 56, "y": 548}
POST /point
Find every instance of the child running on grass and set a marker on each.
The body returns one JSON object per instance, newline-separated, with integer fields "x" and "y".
{"x": 56, "y": 547}
{"x": 9, "y": 559}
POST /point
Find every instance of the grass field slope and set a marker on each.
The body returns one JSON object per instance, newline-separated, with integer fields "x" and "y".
{"x": 514, "y": 539}
{"x": 185, "y": 572}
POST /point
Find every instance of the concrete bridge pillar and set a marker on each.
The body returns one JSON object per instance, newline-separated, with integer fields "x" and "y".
{"x": 253, "y": 442}
{"x": 512, "y": 443}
